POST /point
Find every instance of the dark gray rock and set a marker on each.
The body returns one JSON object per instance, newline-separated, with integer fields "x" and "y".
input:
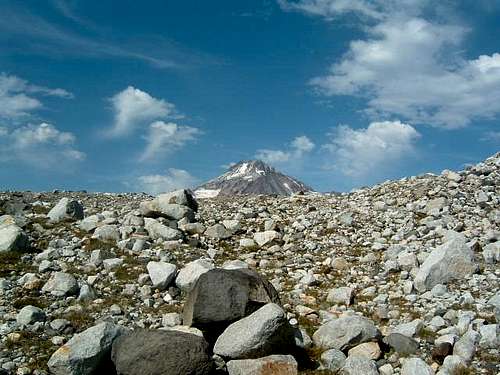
{"x": 401, "y": 343}
{"x": 148, "y": 352}
{"x": 221, "y": 297}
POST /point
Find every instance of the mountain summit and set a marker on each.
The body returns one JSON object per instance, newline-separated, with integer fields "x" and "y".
{"x": 251, "y": 177}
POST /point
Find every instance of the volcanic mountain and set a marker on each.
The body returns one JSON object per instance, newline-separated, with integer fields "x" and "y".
{"x": 251, "y": 177}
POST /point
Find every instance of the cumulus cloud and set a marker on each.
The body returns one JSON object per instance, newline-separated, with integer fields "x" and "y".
{"x": 174, "y": 179}
{"x": 409, "y": 66}
{"x": 18, "y": 96}
{"x": 369, "y": 152}
{"x": 298, "y": 148}
{"x": 40, "y": 145}
{"x": 164, "y": 138}
{"x": 133, "y": 107}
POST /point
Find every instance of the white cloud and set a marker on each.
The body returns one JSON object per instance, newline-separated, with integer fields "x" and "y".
{"x": 174, "y": 179}
{"x": 273, "y": 156}
{"x": 133, "y": 107}
{"x": 164, "y": 138}
{"x": 298, "y": 148}
{"x": 365, "y": 153}
{"x": 490, "y": 136}
{"x": 331, "y": 8}
{"x": 17, "y": 96}
{"x": 413, "y": 68}
{"x": 40, "y": 145}
{"x": 370, "y": 9}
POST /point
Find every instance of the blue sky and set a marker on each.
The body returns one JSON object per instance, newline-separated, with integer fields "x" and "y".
{"x": 156, "y": 95}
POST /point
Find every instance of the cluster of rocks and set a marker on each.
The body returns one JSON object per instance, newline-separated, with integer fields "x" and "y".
{"x": 398, "y": 278}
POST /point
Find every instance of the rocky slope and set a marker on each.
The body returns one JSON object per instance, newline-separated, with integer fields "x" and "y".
{"x": 399, "y": 278}
{"x": 251, "y": 177}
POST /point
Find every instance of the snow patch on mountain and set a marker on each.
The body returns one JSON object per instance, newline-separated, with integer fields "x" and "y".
{"x": 251, "y": 177}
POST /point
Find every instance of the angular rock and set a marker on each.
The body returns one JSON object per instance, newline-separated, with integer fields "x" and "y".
{"x": 29, "y": 315}
{"x": 264, "y": 238}
{"x": 66, "y": 209}
{"x": 273, "y": 364}
{"x": 369, "y": 350}
{"x": 221, "y": 297}
{"x": 342, "y": 295}
{"x": 90, "y": 222}
{"x": 359, "y": 365}
{"x": 416, "y": 366}
{"x": 450, "y": 261}
{"x": 490, "y": 337}
{"x": 12, "y": 237}
{"x": 191, "y": 272}
{"x": 161, "y": 274}
{"x": 332, "y": 360}
{"x": 401, "y": 343}
{"x": 157, "y": 230}
{"x": 87, "y": 352}
{"x": 465, "y": 347}
{"x": 409, "y": 329}
{"x": 264, "y": 332}
{"x": 107, "y": 233}
{"x": 491, "y": 253}
{"x": 175, "y": 205}
{"x": 218, "y": 232}
{"x": 61, "y": 284}
{"x": 452, "y": 364}
{"x": 154, "y": 352}
{"x": 345, "y": 332}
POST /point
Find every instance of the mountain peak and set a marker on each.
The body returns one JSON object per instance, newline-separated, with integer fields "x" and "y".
{"x": 251, "y": 177}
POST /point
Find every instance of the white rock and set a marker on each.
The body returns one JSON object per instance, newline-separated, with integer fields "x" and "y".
{"x": 161, "y": 273}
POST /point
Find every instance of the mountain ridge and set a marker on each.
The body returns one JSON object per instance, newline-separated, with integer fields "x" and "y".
{"x": 251, "y": 177}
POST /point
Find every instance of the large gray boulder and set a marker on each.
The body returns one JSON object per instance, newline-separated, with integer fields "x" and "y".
{"x": 264, "y": 332}
{"x": 87, "y": 352}
{"x": 189, "y": 275}
{"x": 61, "y": 284}
{"x": 273, "y": 364}
{"x": 161, "y": 274}
{"x": 450, "y": 261}
{"x": 148, "y": 352}
{"x": 221, "y": 297}
{"x": 345, "y": 332}
{"x": 66, "y": 209}
{"x": 174, "y": 205}
{"x": 157, "y": 230}
{"x": 12, "y": 237}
